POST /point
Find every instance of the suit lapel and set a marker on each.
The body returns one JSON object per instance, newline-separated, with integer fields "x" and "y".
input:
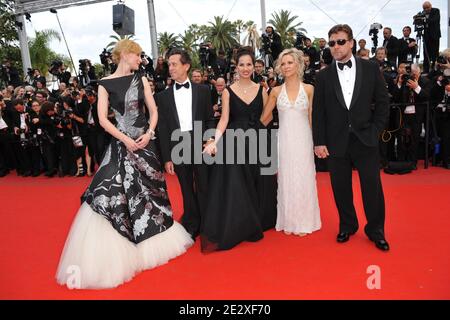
{"x": 337, "y": 85}
{"x": 358, "y": 82}
{"x": 194, "y": 100}
{"x": 173, "y": 106}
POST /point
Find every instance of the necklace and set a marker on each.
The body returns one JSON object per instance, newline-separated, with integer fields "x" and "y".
{"x": 245, "y": 89}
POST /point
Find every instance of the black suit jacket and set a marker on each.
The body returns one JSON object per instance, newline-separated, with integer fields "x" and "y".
{"x": 433, "y": 29}
{"x": 402, "y": 94}
{"x": 168, "y": 120}
{"x": 368, "y": 113}
{"x": 393, "y": 47}
{"x": 404, "y": 50}
{"x": 326, "y": 56}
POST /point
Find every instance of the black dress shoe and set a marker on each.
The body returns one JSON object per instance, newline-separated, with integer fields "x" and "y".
{"x": 382, "y": 244}
{"x": 344, "y": 236}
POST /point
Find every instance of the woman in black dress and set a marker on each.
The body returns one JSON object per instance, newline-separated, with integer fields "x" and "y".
{"x": 241, "y": 200}
{"x": 125, "y": 222}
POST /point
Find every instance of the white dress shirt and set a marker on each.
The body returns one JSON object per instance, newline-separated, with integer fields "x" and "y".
{"x": 347, "y": 78}
{"x": 3, "y": 124}
{"x": 183, "y": 102}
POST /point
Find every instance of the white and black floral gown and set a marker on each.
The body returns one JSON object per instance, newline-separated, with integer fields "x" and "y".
{"x": 125, "y": 222}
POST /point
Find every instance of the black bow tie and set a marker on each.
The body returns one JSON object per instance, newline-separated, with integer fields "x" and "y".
{"x": 179, "y": 86}
{"x": 348, "y": 64}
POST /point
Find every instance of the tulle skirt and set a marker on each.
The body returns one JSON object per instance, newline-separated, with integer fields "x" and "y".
{"x": 96, "y": 256}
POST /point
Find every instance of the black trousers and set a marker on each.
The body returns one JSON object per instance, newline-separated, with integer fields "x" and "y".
{"x": 49, "y": 155}
{"x": 96, "y": 145}
{"x": 193, "y": 181}
{"x": 23, "y": 157}
{"x": 443, "y": 128}
{"x": 6, "y": 152}
{"x": 430, "y": 53}
{"x": 367, "y": 162}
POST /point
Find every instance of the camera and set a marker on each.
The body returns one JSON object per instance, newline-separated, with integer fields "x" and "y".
{"x": 204, "y": 54}
{"x": 442, "y": 59}
{"x": 373, "y": 32}
{"x": 55, "y": 67}
{"x": 106, "y": 61}
{"x": 406, "y": 76}
{"x": 266, "y": 42}
{"x": 300, "y": 41}
{"x": 419, "y": 21}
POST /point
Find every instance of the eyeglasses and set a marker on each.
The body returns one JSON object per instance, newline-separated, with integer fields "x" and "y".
{"x": 340, "y": 42}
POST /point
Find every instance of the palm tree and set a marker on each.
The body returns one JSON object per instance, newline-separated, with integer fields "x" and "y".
{"x": 252, "y": 38}
{"x": 188, "y": 41}
{"x": 286, "y": 26}
{"x": 116, "y": 39}
{"x": 167, "y": 41}
{"x": 221, "y": 33}
{"x": 40, "y": 53}
{"x": 239, "y": 26}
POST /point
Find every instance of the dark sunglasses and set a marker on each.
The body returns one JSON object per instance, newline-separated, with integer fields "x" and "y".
{"x": 340, "y": 42}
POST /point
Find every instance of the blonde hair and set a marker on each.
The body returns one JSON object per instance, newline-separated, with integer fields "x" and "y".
{"x": 446, "y": 53}
{"x": 297, "y": 55}
{"x": 125, "y": 46}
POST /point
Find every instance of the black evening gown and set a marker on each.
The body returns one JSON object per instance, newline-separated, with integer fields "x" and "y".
{"x": 241, "y": 202}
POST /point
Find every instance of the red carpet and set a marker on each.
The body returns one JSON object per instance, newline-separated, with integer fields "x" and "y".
{"x": 36, "y": 214}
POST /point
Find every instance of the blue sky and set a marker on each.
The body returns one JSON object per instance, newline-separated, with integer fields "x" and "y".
{"x": 88, "y": 28}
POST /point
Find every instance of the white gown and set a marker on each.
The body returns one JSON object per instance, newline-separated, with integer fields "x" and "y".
{"x": 298, "y": 206}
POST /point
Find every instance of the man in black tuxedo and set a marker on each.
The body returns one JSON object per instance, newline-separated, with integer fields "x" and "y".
{"x": 179, "y": 107}
{"x": 324, "y": 54}
{"x": 350, "y": 110}
{"x": 431, "y": 35}
{"x": 407, "y": 47}
{"x": 392, "y": 46}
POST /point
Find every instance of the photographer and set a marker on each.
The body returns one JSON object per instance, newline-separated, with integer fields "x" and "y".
{"x": 35, "y": 137}
{"x": 96, "y": 135}
{"x": 58, "y": 69}
{"x": 147, "y": 65}
{"x": 216, "y": 99}
{"x": 87, "y": 72}
{"x": 6, "y": 152}
{"x": 21, "y": 140}
{"x": 413, "y": 90}
{"x": 407, "y": 47}
{"x": 64, "y": 144}
{"x": 196, "y": 76}
{"x": 392, "y": 46}
{"x": 48, "y": 137}
{"x": 161, "y": 74}
{"x": 37, "y": 77}
{"x": 309, "y": 75}
{"x": 275, "y": 42}
{"x": 386, "y": 68}
{"x": 440, "y": 101}
{"x": 9, "y": 74}
{"x": 259, "y": 75}
{"x": 324, "y": 54}
{"x": 310, "y": 51}
{"x": 431, "y": 35}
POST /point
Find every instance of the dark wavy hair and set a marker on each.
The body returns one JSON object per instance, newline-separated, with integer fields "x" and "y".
{"x": 46, "y": 106}
{"x": 245, "y": 51}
